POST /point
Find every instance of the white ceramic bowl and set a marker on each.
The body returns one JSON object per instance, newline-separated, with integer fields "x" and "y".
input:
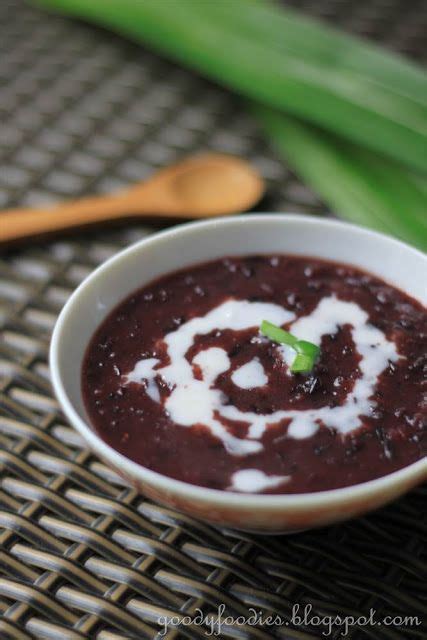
{"x": 188, "y": 244}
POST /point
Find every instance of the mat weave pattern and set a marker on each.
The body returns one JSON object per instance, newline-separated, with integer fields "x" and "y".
{"x": 82, "y": 554}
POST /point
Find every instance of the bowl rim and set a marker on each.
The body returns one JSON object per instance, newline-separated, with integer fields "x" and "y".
{"x": 190, "y": 491}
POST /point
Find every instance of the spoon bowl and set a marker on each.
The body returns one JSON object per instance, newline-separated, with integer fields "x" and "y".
{"x": 219, "y": 185}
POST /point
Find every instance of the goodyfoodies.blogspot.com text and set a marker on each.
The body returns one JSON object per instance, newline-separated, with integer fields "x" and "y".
{"x": 301, "y": 616}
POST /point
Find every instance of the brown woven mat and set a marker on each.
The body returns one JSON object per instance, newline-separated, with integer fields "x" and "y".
{"x": 82, "y": 555}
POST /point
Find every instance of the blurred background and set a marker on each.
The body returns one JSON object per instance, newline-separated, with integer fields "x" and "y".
{"x": 83, "y": 110}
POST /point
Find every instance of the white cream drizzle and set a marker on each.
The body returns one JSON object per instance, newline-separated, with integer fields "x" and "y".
{"x": 250, "y": 375}
{"x": 195, "y": 401}
{"x": 254, "y": 480}
{"x": 143, "y": 371}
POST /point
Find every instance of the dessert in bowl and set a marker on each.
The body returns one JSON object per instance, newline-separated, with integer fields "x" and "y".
{"x": 261, "y": 372}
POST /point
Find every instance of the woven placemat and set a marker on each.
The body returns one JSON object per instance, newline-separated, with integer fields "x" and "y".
{"x": 82, "y": 554}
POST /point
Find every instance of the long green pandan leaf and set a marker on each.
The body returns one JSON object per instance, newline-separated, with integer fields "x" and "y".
{"x": 362, "y": 186}
{"x": 324, "y": 46}
{"x": 381, "y": 110}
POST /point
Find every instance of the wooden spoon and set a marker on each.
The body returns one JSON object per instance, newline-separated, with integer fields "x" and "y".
{"x": 198, "y": 187}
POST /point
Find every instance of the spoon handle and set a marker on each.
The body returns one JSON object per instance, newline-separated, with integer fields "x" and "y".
{"x": 22, "y": 224}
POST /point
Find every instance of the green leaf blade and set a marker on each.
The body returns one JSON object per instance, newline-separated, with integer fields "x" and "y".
{"x": 359, "y": 185}
{"x": 276, "y": 334}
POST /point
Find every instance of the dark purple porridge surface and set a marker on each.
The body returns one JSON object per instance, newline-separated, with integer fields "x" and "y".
{"x": 393, "y": 435}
